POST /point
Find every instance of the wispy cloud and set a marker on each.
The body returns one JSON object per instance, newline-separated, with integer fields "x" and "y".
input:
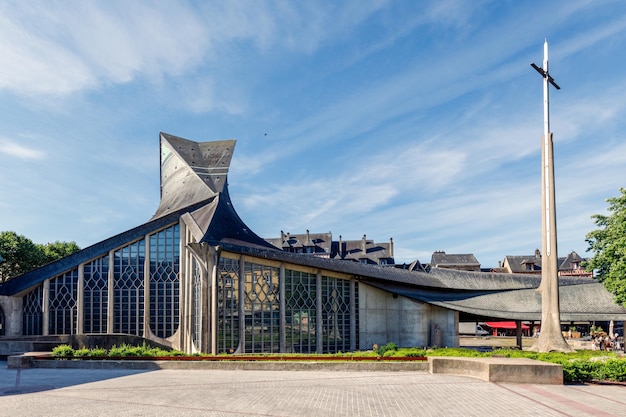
{"x": 12, "y": 148}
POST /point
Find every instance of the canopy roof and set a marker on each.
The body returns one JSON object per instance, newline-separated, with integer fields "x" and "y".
{"x": 505, "y": 325}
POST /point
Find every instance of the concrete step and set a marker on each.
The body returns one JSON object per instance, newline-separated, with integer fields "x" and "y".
{"x": 513, "y": 370}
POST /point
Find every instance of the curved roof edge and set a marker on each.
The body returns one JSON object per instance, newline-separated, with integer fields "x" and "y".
{"x": 226, "y": 227}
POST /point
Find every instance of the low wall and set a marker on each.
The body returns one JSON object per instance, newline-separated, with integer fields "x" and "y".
{"x": 30, "y": 361}
{"x": 510, "y": 370}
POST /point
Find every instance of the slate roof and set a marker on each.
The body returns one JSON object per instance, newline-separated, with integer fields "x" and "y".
{"x": 520, "y": 264}
{"x": 320, "y": 242}
{"x": 441, "y": 259}
{"x": 571, "y": 261}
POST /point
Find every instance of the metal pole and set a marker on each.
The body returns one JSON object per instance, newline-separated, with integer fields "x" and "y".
{"x": 550, "y": 338}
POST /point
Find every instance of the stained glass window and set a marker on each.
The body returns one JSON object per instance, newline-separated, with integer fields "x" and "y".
{"x": 95, "y": 295}
{"x": 62, "y": 303}
{"x": 32, "y": 312}
{"x": 228, "y": 305}
{"x": 164, "y": 281}
{"x": 128, "y": 287}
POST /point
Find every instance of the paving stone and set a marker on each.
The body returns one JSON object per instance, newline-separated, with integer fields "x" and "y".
{"x": 170, "y": 392}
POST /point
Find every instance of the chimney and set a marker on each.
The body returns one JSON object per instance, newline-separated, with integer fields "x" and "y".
{"x": 363, "y": 244}
{"x": 391, "y": 247}
{"x": 340, "y": 248}
{"x": 537, "y": 254}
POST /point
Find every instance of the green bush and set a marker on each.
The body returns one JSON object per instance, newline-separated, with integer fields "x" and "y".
{"x": 63, "y": 351}
{"x": 579, "y": 370}
{"x": 97, "y": 352}
{"x": 79, "y": 353}
{"x": 389, "y": 347}
{"x": 121, "y": 350}
{"x": 615, "y": 369}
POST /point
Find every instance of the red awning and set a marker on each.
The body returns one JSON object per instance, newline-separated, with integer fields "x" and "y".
{"x": 505, "y": 325}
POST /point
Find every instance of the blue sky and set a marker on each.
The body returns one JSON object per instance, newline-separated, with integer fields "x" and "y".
{"x": 416, "y": 120}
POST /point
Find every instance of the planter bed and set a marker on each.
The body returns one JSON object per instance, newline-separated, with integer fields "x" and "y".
{"x": 241, "y": 358}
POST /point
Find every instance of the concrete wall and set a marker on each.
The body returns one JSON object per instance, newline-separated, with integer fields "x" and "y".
{"x": 385, "y": 318}
{"x": 12, "y": 308}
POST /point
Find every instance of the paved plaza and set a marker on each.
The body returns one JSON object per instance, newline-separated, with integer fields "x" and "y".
{"x": 89, "y": 392}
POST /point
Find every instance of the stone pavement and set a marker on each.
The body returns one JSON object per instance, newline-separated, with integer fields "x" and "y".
{"x": 116, "y": 392}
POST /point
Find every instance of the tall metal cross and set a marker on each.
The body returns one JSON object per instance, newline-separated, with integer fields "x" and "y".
{"x": 547, "y": 80}
{"x": 550, "y": 337}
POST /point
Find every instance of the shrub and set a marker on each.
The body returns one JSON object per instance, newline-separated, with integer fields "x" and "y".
{"x": 386, "y": 348}
{"x": 579, "y": 370}
{"x": 615, "y": 369}
{"x": 82, "y": 352}
{"x": 97, "y": 352}
{"x": 118, "y": 350}
{"x": 63, "y": 351}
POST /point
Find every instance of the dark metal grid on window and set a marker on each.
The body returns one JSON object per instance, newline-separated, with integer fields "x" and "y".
{"x": 228, "y": 305}
{"x": 128, "y": 297}
{"x": 196, "y": 293}
{"x": 300, "y": 311}
{"x": 95, "y": 295}
{"x": 261, "y": 306}
{"x": 32, "y": 312}
{"x": 62, "y": 312}
{"x": 356, "y": 314}
{"x": 164, "y": 281}
{"x": 335, "y": 315}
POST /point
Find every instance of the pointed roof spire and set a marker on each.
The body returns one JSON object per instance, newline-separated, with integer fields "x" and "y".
{"x": 191, "y": 171}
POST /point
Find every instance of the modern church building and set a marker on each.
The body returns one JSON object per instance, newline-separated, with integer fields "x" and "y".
{"x": 196, "y": 278}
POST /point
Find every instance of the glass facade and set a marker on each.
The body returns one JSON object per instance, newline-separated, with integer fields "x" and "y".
{"x": 259, "y": 308}
{"x": 62, "y": 304}
{"x": 196, "y": 294}
{"x": 164, "y": 281}
{"x": 304, "y": 293}
{"x": 228, "y": 305}
{"x": 335, "y": 324}
{"x": 128, "y": 285}
{"x": 32, "y": 312}
{"x": 96, "y": 295}
{"x": 300, "y": 311}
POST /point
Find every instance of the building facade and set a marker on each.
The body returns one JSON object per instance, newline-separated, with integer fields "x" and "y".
{"x": 196, "y": 278}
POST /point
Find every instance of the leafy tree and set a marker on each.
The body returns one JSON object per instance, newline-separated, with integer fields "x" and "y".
{"x": 21, "y": 255}
{"x": 608, "y": 245}
{"x": 58, "y": 250}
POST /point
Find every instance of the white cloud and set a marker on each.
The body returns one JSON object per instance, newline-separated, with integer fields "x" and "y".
{"x": 66, "y": 48}
{"x": 31, "y": 64}
{"x": 12, "y": 148}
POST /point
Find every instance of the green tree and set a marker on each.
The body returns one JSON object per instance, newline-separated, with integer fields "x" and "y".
{"x": 21, "y": 255}
{"x": 58, "y": 250}
{"x": 608, "y": 245}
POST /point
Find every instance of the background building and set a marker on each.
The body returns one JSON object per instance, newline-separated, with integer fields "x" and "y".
{"x": 322, "y": 245}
